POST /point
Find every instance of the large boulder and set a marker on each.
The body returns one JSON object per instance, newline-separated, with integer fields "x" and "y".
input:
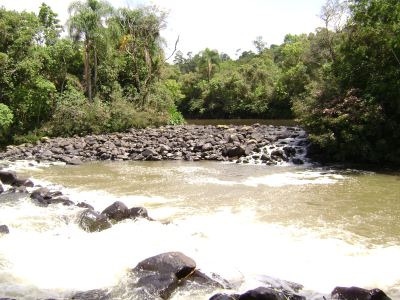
{"x": 117, "y": 211}
{"x": 166, "y": 263}
{"x": 160, "y": 275}
{"x": 92, "y": 221}
{"x": 4, "y": 229}
{"x": 356, "y": 293}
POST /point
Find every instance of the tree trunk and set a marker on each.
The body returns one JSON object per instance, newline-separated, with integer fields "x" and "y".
{"x": 95, "y": 71}
{"x": 88, "y": 79}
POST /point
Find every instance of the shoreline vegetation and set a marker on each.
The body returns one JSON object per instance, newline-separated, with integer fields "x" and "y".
{"x": 110, "y": 74}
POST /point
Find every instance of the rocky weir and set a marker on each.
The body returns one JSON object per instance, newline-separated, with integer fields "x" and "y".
{"x": 260, "y": 144}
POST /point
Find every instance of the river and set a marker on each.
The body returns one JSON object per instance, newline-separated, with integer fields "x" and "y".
{"x": 320, "y": 227}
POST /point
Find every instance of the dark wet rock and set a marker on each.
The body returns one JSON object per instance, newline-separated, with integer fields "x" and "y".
{"x": 1, "y": 188}
{"x": 297, "y": 161}
{"x": 277, "y": 153}
{"x": 85, "y": 205}
{"x": 166, "y": 263}
{"x": 265, "y": 293}
{"x": 4, "y": 229}
{"x": 236, "y": 151}
{"x": 8, "y": 177}
{"x": 117, "y": 211}
{"x": 138, "y": 212}
{"x": 64, "y": 200}
{"x": 225, "y": 297}
{"x": 356, "y": 293}
{"x": 92, "y": 221}
{"x": 148, "y": 152}
{"x": 92, "y": 295}
{"x": 289, "y": 151}
{"x": 23, "y": 182}
{"x": 41, "y": 196}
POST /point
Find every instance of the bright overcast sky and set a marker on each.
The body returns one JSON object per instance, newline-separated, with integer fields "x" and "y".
{"x": 225, "y": 25}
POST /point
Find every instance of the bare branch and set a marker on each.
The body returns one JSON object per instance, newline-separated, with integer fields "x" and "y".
{"x": 175, "y": 48}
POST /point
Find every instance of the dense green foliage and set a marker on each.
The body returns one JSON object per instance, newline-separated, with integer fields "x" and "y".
{"x": 107, "y": 75}
{"x": 341, "y": 82}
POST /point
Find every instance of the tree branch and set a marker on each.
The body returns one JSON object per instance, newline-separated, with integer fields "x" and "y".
{"x": 175, "y": 48}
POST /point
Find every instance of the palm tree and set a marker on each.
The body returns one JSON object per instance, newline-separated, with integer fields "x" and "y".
{"x": 86, "y": 23}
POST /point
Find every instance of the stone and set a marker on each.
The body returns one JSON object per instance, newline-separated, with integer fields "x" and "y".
{"x": 1, "y": 188}
{"x": 41, "y": 196}
{"x": 236, "y": 151}
{"x": 356, "y": 293}
{"x": 289, "y": 151}
{"x": 138, "y": 212}
{"x": 224, "y": 297}
{"x": 8, "y": 177}
{"x": 4, "y": 229}
{"x": 265, "y": 293}
{"x": 64, "y": 200}
{"x": 148, "y": 152}
{"x": 92, "y": 221}
{"x": 92, "y": 295}
{"x": 117, "y": 211}
{"x": 297, "y": 161}
{"x": 85, "y": 205}
{"x": 169, "y": 263}
{"x": 23, "y": 182}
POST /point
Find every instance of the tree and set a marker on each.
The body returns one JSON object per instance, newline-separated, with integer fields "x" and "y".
{"x": 51, "y": 28}
{"x": 140, "y": 43}
{"x": 86, "y": 22}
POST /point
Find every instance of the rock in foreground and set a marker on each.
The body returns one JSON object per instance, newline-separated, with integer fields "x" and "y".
{"x": 356, "y": 293}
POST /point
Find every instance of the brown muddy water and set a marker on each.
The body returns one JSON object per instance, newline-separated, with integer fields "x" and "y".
{"x": 320, "y": 227}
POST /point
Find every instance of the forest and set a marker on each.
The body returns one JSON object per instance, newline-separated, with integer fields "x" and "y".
{"x": 110, "y": 73}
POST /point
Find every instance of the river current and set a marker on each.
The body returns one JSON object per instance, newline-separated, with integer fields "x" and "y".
{"x": 320, "y": 227}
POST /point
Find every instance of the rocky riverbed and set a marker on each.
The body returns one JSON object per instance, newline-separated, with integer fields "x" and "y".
{"x": 257, "y": 143}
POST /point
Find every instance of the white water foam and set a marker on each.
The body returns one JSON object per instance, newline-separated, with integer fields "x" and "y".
{"x": 275, "y": 180}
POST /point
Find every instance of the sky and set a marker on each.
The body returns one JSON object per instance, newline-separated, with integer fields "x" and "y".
{"x": 224, "y": 25}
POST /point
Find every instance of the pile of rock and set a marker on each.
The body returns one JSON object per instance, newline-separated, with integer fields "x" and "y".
{"x": 260, "y": 143}
{"x": 91, "y": 220}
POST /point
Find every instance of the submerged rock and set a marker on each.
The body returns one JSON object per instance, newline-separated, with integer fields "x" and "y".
{"x": 356, "y": 293}
{"x": 92, "y": 221}
{"x": 4, "y": 229}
